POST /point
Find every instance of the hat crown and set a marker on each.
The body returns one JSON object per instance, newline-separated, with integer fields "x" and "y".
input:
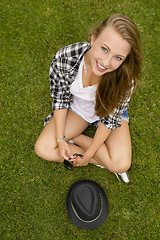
{"x": 86, "y": 202}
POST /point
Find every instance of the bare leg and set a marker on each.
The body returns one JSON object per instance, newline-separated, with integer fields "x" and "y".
{"x": 46, "y": 145}
{"x": 115, "y": 153}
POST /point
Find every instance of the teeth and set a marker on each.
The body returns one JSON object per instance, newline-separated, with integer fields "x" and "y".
{"x": 101, "y": 66}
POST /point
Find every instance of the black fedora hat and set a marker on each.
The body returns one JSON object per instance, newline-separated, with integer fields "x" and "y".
{"x": 87, "y": 204}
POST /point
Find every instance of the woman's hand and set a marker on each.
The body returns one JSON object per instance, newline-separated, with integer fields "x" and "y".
{"x": 64, "y": 150}
{"x": 81, "y": 161}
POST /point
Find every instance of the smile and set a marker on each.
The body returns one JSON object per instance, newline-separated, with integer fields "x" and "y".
{"x": 100, "y": 67}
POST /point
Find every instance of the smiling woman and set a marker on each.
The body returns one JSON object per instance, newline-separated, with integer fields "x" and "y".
{"x": 122, "y": 44}
{"x": 92, "y": 83}
{"x": 107, "y": 53}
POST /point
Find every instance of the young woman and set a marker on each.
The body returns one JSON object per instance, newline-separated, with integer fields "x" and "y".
{"x": 92, "y": 83}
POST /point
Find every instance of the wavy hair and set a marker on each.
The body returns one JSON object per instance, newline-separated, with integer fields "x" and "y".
{"x": 115, "y": 86}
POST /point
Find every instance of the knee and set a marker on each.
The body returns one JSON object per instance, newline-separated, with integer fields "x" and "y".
{"x": 121, "y": 165}
{"x": 45, "y": 151}
{"x": 39, "y": 149}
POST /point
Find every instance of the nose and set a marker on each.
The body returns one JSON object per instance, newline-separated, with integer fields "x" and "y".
{"x": 107, "y": 61}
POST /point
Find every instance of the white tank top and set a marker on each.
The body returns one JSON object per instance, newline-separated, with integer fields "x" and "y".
{"x": 83, "y": 98}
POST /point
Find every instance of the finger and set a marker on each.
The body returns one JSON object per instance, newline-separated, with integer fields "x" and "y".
{"x": 64, "y": 155}
{"x": 73, "y": 160}
{"x": 69, "y": 153}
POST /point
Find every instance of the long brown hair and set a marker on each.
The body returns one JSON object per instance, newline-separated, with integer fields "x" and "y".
{"x": 115, "y": 86}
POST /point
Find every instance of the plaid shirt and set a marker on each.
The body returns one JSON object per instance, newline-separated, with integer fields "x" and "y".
{"x": 62, "y": 73}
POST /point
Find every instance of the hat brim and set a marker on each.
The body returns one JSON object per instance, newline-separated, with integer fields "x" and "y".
{"x": 78, "y": 222}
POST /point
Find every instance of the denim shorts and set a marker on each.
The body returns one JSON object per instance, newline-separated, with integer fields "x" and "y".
{"x": 125, "y": 116}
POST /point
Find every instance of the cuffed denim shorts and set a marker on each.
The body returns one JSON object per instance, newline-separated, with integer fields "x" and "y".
{"x": 125, "y": 116}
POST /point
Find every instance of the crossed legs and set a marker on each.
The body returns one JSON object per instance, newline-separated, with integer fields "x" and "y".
{"x": 114, "y": 154}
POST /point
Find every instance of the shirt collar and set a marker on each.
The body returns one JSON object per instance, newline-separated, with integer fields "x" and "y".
{"x": 74, "y": 70}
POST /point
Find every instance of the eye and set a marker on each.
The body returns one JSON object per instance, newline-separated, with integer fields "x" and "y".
{"x": 105, "y": 49}
{"x": 118, "y": 58}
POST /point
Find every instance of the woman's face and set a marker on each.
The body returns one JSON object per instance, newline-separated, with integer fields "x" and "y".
{"x": 108, "y": 51}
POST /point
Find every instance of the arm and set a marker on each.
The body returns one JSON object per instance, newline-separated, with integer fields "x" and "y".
{"x": 100, "y": 137}
{"x": 60, "y": 122}
{"x": 61, "y": 101}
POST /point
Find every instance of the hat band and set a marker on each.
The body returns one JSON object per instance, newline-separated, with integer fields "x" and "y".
{"x": 74, "y": 210}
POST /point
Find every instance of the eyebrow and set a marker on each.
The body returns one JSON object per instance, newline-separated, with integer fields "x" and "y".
{"x": 117, "y": 54}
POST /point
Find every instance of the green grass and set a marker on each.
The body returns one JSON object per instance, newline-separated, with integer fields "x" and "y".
{"x": 33, "y": 191}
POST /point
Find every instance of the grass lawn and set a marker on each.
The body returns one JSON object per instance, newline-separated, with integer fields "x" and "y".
{"x": 33, "y": 191}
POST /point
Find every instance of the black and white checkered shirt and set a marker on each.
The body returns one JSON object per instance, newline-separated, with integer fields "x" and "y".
{"x": 62, "y": 73}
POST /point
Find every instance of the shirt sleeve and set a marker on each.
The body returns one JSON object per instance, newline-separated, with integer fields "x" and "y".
{"x": 59, "y": 87}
